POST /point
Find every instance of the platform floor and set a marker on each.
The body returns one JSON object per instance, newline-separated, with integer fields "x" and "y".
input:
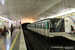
{"x": 14, "y": 42}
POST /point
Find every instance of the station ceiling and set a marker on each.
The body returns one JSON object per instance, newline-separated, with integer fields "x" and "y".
{"x": 28, "y": 9}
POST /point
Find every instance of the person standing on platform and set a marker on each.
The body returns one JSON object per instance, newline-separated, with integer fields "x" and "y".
{"x": 12, "y": 29}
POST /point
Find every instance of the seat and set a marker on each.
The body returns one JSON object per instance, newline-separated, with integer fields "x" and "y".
{"x": 1, "y": 31}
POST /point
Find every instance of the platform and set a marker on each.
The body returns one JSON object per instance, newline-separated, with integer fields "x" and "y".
{"x": 14, "y": 42}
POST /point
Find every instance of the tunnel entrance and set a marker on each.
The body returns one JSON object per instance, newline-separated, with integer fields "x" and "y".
{"x": 24, "y": 26}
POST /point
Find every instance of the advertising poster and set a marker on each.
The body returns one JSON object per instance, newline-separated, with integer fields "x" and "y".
{"x": 73, "y": 18}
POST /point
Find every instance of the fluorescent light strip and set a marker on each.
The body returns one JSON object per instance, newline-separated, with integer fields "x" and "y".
{"x": 5, "y": 19}
{"x": 72, "y": 10}
{"x": 63, "y": 13}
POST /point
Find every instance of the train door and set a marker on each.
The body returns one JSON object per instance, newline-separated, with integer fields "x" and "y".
{"x": 42, "y": 28}
{"x": 39, "y": 28}
{"x": 47, "y": 28}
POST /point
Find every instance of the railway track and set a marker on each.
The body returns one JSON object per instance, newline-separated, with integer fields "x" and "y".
{"x": 36, "y": 42}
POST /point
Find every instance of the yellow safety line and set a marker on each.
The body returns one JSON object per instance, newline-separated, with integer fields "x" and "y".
{"x": 14, "y": 41}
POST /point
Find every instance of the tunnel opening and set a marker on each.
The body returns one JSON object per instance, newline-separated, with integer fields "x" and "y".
{"x": 24, "y": 26}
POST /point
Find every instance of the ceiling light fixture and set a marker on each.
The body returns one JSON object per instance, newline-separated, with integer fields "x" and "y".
{"x": 63, "y": 13}
{"x": 5, "y": 19}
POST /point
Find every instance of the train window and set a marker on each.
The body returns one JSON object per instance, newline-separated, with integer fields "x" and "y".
{"x": 47, "y": 25}
{"x": 40, "y": 25}
{"x": 31, "y": 25}
{"x": 44, "y": 26}
{"x": 37, "y": 25}
{"x": 72, "y": 29}
{"x": 34, "y": 25}
{"x": 56, "y": 25}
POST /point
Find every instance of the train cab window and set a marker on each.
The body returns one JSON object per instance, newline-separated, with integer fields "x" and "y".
{"x": 56, "y": 25}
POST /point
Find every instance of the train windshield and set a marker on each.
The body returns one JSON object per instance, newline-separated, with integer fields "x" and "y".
{"x": 57, "y": 25}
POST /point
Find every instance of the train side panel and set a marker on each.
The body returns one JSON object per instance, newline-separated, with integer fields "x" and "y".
{"x": 45, "y": 28}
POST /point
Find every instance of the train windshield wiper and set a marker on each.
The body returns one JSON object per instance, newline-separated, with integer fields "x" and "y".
{"x": 59, "y": 23}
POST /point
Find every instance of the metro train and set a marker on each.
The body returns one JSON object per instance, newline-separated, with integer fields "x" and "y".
{"x": 52, "y": 27}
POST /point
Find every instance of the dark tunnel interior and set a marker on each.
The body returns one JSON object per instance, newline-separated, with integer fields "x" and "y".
{"x": 24, "y": 26}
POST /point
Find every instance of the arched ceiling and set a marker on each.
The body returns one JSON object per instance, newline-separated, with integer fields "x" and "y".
{"x": 29, "y": 10}
{"x": 20, "y": 9}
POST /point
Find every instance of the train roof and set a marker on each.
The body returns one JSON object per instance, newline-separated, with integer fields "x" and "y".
{"x": 48, "y": 19}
